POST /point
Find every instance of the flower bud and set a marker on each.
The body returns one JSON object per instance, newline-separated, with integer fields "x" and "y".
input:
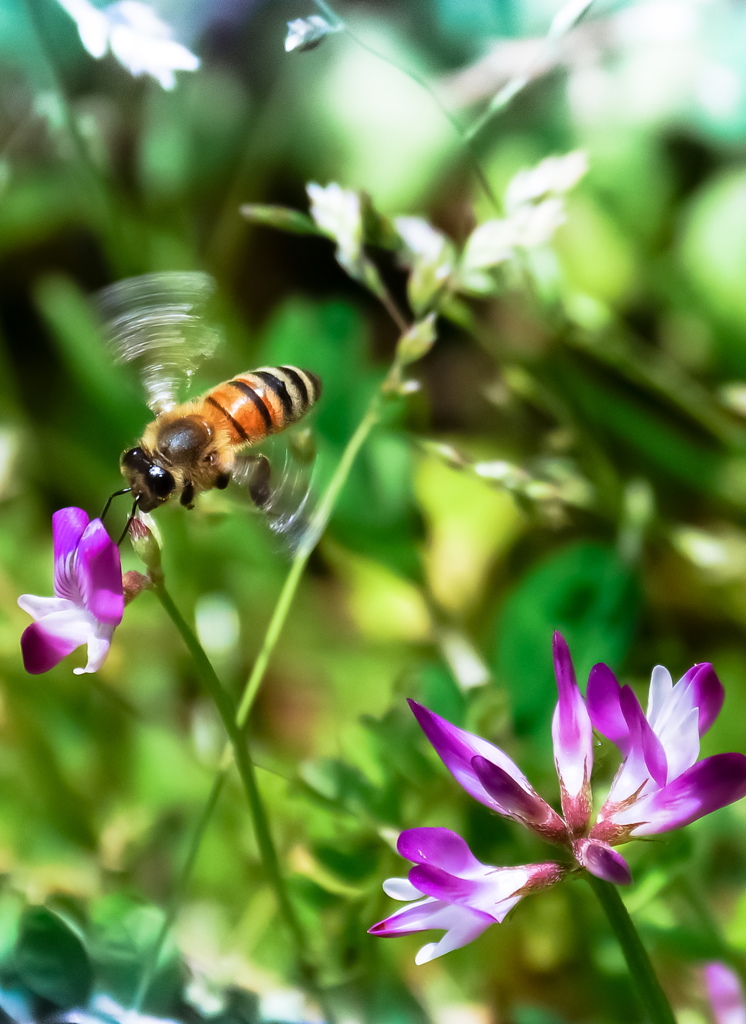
{"x": 133, "y": 583}
{"x": 146, "y": 546}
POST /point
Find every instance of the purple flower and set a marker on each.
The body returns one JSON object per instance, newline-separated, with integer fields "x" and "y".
{"x": 726, "y": 994}
{"x": 88, "y": 601}
{"x": 453, "y": 891}
{"x": 660, "y": 786}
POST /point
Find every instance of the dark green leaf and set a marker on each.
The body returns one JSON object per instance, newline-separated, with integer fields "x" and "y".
{"x": 584, "y": 591}
{"x": 51, "y": 959}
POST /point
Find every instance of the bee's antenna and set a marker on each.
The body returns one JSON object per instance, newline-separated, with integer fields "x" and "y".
{"x": 124, "y": 490}
{"x": 130, "y": 517}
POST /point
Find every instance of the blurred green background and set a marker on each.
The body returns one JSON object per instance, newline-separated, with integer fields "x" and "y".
{"x": 604, "y": 383}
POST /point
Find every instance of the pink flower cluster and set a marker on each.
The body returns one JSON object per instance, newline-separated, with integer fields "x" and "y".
{"x": 660, "y": 785}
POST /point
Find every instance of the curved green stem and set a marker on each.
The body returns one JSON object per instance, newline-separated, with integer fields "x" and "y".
{"x": 317, "y": 526}
{"x": 247, "y": 772}
{"x": 648, "y": 987}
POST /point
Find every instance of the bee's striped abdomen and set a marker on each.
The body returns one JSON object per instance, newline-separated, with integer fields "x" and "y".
{"x": 261, "y": 402}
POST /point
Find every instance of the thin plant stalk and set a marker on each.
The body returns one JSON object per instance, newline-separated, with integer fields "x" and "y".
{"x": 179, "y": 892}
{"x": 463, "y": 134}
{"x": 652, "y": 996}
{"x": 317, "y": 526}
{"x": 247, "y": 772}
{"x": 240, "y": 716}
{"x": 577, "y": 10}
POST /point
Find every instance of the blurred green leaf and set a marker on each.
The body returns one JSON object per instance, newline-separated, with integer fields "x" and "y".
{"x": 281, "y": 217}
{"x": 51, "y": 959}
{"x": 591, "y": 597}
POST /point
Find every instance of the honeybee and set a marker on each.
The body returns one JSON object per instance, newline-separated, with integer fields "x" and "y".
{"x": 193, "y": 446}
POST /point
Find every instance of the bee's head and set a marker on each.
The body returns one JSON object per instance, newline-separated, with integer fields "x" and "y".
{"x": 151, "y": 484}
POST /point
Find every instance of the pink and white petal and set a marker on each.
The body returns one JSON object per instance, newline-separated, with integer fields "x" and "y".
{"x": 681, "y": 743}
{"x": 463, "y": 926}
{"x": 635, "y": 772}
{"x": 485, "y": 892}
{"x": 515, "y": 800}
{"x": 572, "y": 733}
{"x": 68, "y": 526}
{"x": 456, "y": 747}
{"x": 400, "y": 889}
{"x": 604, "y": 709}
{"x": 98, "y": 649}
{"x": 98, "y": 574}
{"x": 642, "y": 737}
{"x": 708, "y": 694}
{"x": 414, "y": 918}
{"x": 44, "y": 644}
{"x": 438, "y": 846}
{"x": 725, "y": 993}
{"x": 602, "y": 861}
{"x": 707, "y": 786}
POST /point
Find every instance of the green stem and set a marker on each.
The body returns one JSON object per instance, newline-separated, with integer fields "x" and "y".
{"x": 317, "y": 526}
{"x": 648, "y": 987}
{"x": 247, "y": 772}
{"x": 180, "y": 890}
{"x": 464, "y": 135}
{"x": 510, "y": 90}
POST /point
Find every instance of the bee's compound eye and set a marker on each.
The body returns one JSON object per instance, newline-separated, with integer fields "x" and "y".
{"x": 161, "y": 482}
{"x": 135, "y": 458}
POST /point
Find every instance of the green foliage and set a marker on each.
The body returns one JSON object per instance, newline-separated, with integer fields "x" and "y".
{"x": 548, "y": 323}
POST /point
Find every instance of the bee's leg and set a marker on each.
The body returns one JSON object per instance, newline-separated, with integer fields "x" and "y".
{"x": 187, "y": 495}
{"x": 124, "y": 490}
{"x": 259, "y": 488}
{"x": 130, "y": 517}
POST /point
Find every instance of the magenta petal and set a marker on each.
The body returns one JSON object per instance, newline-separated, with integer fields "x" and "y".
{"x": 563, "y": 667}
{"x": 68, "y": 525}
{"x": 602, "y": 701}
{"x": 511, "y": 796}
{"x": 441, "y": 885}
{"x": 437, "y": 846}
{"x": 642, "y": 737}
{"x": 456, "y": 748}
{"x": 99, "y": 574}
{"x": 708, "y": 694}
{"x": 572, "y": 736}
{"x": 42, "y": 650}
{"x": 602, "y": 861}
{"x": 707, "y": 786}
{"x": 726, "y": 994}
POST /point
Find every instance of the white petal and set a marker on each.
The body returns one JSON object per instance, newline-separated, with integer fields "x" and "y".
{"x": 680, "y": 740}
{"x": 661, "y": 686}
{"x": 463, "y": 926}
{"x": 94, "y": 34}
{"x": 39, "y": 607}
{"x": 401, "y": 889}
{"x": 98, "y": 648}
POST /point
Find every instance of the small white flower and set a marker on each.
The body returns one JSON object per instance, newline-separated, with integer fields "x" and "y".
{"x": 136, "y": 36}
{"x": 551, "y": 177}
{"x": 337, "y": 212}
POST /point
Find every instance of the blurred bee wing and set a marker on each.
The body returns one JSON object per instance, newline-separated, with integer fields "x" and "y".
{"x": 158, "y": 322}
{"x": 280, "y": 488}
